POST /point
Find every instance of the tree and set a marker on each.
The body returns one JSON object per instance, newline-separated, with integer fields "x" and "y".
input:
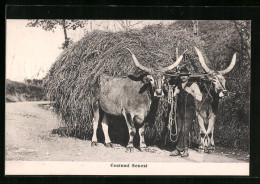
{"x": 51, "y": 25}
{"x": 195, "y": 27}
{"x": 126, "y": 24}
{"x": 243, "y": 28}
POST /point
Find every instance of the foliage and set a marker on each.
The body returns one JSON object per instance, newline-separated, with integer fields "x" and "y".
{"x": 51, "y": 25}
{"x": 18, "y": 91}
{"x": 37, "y": 82}
{"x": 232, "y": 128}
{"x": 222, "y": 39}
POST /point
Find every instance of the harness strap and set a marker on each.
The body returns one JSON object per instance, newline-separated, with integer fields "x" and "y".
{"x": 208, "y": 94}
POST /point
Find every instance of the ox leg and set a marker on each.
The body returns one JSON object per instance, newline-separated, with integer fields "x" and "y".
{"x": 212, "y": 144}
{"x": 143, "y": 146}
{"x": 202, "y": 133}
{"x": 131, "y": 130}
{"x": 210, "y": 133}
{"x": 138, "y": 119}
{"x": 105, "y": 131}
{"x": 96, "y": 117}
{"x": 212, "y": 140}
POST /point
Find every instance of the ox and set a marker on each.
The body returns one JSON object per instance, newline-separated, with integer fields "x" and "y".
{"x": 213, "y": 89}
{"x": 128, "y": 98}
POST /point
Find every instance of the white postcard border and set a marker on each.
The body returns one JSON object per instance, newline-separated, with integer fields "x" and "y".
{"x": 123, "y": 168}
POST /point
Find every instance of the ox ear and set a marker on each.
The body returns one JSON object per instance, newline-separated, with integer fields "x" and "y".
{"x": 139, "y": 78}
{"x": 134, "y": 78}
{"x": 145, "y": 87}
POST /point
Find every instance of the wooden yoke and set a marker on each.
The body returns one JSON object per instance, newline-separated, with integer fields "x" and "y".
{"x": 191, "y": 75}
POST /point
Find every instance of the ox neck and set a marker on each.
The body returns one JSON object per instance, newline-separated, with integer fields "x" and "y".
{"x": 211, "y": 94}
{"x": 208, "y": 89}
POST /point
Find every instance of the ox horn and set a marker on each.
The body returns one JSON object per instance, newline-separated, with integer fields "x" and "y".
{"x": 137, "y": 64}
{"x": 231, "y": 66}
{"x": 202, "y": 61}
{"x": 176, "y": 63}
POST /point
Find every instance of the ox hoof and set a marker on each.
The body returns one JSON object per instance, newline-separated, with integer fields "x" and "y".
{"x": 212, "y": 147}
{"x": 206, "y": 150}
{"x": 144, "y": 149}
{"x": 129, "y": 149}
{"x": 210, "y": 151}
{"x": 109, "y": 145}
{"x": 94, "y": 143}
{"x": 201, "y": 149}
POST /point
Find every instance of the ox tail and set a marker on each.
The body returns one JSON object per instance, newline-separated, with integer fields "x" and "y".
{"x": 95, "y": 104}
{"x": 96, "y": 108}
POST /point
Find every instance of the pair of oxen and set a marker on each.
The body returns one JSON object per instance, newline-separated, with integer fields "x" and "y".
{"x": 133, "y": 98}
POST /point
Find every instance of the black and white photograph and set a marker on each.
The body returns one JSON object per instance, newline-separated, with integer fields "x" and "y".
{"x": 127, "y": 97}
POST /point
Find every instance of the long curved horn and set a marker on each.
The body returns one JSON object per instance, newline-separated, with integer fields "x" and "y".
{"x": 202, "y": 61}
{"x": 176, "y": 63}
{"x": 231, "y": 66}
{"x": 137, "y": 64}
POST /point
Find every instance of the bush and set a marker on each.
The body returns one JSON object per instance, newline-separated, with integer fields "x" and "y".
{"x": 17, "y": 91}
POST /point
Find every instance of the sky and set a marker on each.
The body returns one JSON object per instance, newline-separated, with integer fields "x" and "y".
{"x": 30, "y": 52}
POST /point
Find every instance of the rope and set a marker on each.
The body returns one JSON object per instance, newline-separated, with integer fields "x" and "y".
{"x": 175, "y": 121}
{"x": 170, "y": 121}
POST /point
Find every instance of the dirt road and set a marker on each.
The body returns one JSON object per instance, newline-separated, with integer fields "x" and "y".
{"x": 28, "y": 136}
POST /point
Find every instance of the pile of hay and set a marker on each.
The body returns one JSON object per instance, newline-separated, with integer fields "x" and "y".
{"x": 72, "y": 81}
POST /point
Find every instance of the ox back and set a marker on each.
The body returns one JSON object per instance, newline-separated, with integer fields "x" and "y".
{"x": 117, "y": 94}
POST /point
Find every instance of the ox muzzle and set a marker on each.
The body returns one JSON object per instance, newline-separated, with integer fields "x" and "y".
{"x": 223, "y": 93}
{"x": 158, "y": 93}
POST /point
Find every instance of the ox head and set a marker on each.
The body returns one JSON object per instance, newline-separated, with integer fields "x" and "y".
{"x": 156, "y": 77}
{"x": 217, "y": 77}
